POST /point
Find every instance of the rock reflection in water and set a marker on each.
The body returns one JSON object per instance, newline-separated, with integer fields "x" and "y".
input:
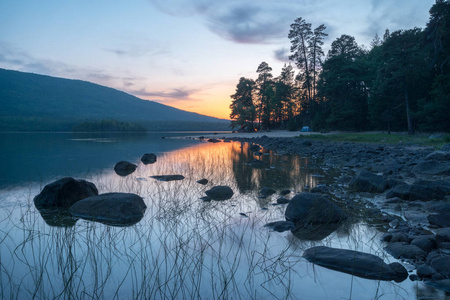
{"x": 57, "y": 217}
{"x": 314, "y": 232}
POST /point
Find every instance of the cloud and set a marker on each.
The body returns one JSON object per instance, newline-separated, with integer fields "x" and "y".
{"x": 238, "y": 21}
{"x": 174, "y": 94}
{"x": 282, "y": 55}
{"x": 247, "y": 23}
{"x": 267, "y": 21}
{"x": 15, "y": 59}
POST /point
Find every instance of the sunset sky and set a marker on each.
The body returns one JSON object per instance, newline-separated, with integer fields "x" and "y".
{"x": 186, "y": 54}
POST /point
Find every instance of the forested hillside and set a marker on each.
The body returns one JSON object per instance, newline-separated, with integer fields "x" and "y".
{"x": 401, "y": 83}
{"x": 37, "y": 102}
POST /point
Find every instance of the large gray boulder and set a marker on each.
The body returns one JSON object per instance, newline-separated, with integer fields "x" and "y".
{"x": 365, "y": 181}
{"x": 64, "y": 192}
{"x": 307, "y": 208}
{"x": 117, "y": 209}
{"x": 356, "y": 263}
{"x": 220, "y": 193}
{"x": 124, "y": 168}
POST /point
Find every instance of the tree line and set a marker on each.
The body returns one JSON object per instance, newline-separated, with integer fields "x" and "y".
{"x": 401, "y": 83}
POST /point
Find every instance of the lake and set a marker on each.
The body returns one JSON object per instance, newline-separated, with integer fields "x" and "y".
{"x": 183, "y": 248}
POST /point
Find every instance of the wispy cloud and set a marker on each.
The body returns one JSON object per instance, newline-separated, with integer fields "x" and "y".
{"x": 15, "y": 59}
{"x": 282, "y": 55}
{"x": 166, "y": 96}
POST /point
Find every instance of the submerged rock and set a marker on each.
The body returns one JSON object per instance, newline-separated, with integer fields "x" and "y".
{"x": 265, "y": 192}
{"x": 283, "y": 200}
{"x": 64, "y": 192}
{"x": 57, "y": 217}
{"x": 281, "y": 226}
{"x": 220, "y": 193}
{"x": 307, "y": 208}
{"x": 356, "y": 263}
{"x": 203, "y": 181}
{"x": 365, "y": 181}
{"x": 148, "y": 158}
{"x": 124, "y": 168}
{"x": 167, "y": 177}
{"x": 314, "y": 232}
{"x": 117, "y": 209}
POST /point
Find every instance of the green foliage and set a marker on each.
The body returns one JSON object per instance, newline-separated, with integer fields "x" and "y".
{"x": 243, "y": 110}
{"x": 343, "y": 84}
{"x": 401, "y": 83}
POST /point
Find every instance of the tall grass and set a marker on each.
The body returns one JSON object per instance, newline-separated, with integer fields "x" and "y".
{"x": 183, "y": 248}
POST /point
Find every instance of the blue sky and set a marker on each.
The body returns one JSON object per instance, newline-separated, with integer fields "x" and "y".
{"x": 187, "y": 54}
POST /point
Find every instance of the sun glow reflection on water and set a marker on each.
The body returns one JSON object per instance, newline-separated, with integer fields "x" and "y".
{"x": 185, "y": 248}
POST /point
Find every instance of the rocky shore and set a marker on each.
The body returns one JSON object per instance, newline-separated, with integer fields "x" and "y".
{"x": 405, "y": 186}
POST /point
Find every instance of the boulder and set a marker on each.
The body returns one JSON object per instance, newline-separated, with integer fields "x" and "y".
{"x": 320, "y": 189}
{"x": 167, "y": 177}
{"x": 285, "y": 192}
{"x": 148, "y": 158}
{"x": 306, "y": 208}
{"x": 203, "y": 181}
{"x": 64, "y": 192}
{"x": 281, "y": 226}
{"x": 254, "y": 148}
{"x": 124, "y": 168}
{"x": 406, "y": 251}
{"x": 441, "y": 220}
{"x": 432, "y": 167}
{"x": 117, "y": 209}
{"x": 283, "y": 200}
{"x": 220, "y": 193}
{"x": 265, "y": 192}
{"x": 443, "y": 235}
{"x": 214, "y": 141}
{"x": 442, "y": 265}
{"x": 417, "y": 191}
{"x": 356, "y": 263}
{"x": 425, "y": 271}
{"x": 365, "y": 181}
{"x": 438, "y": 155}
{"x": 426, "y": 243}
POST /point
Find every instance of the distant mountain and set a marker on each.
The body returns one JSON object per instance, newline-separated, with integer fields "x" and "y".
{"x": 38, "y": 102}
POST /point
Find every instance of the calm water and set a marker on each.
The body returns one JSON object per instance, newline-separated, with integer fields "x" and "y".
{"x": 183, "y": 248}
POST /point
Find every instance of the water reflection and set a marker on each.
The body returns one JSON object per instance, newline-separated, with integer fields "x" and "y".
{"x": 42, "y": 157}
{"x": 274, "y": 171}
{"x": 57, "y": 217}
{"x": 184, "y": 248}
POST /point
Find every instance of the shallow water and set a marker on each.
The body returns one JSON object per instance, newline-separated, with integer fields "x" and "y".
{"x": 183, "y": 248}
